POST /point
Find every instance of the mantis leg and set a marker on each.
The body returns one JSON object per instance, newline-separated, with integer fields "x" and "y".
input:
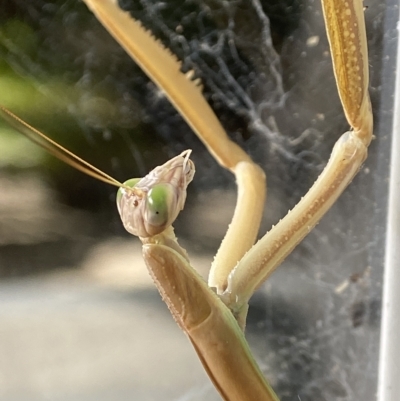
{"x": 346, "y": 33}
{"x": 187, "y": 98}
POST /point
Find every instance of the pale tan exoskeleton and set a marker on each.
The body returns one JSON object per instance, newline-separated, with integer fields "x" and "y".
{"x": 213, "y": 315}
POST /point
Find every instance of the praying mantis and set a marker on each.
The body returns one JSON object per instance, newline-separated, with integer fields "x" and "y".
{"x": 224, "y": 308}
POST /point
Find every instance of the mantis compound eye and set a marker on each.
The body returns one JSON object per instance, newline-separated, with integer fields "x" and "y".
{"x": 129, "y": 183}
{"x": 160, "y": 205}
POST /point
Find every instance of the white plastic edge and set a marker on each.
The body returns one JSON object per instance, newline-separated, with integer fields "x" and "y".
{"x": 389, "y": 359}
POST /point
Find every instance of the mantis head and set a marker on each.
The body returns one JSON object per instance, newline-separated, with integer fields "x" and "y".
{"x": 147, "y": 205}
{"x": 154, "y": 201}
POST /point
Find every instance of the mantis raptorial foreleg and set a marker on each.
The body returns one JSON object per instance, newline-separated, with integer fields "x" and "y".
{"x": 236, "y": 284}
{"x": 346, "y": 33}
{"x": 163, "y": 68}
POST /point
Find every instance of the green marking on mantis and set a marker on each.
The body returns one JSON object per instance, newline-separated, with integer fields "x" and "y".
{"x": 159, "y": 199}
{"x": 128, "y": 183}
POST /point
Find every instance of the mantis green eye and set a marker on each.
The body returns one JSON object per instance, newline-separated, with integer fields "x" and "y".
{"x": 160, "y": 199}
{"x": 129, "y": 183}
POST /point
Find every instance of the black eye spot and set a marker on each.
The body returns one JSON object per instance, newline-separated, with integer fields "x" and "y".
{"x": 157, "y": 212}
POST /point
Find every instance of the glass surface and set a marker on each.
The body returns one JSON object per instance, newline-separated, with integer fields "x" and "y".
{"x": 79, "y": 318}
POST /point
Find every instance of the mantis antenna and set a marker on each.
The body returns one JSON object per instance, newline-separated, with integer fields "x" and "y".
{"x": 57, "y": 150}
{"x": 147, "y": 205}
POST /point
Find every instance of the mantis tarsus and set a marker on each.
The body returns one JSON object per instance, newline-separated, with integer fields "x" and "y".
{"x": 213, "y": 322}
